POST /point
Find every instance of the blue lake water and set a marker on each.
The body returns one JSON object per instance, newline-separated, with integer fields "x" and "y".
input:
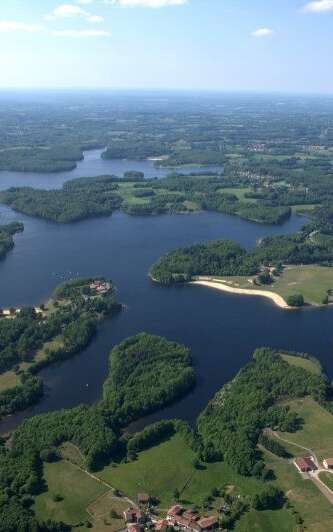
{"x": 221, "y": 329}
{"x": 92, "y": 165}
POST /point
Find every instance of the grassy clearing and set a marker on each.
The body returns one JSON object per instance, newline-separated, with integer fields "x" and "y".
{"x": 269, "y": 520}
{"x": 162, "y": 469}
{"x": 70, "y": 452}
{"x": 101, "y": 510}
{"x": 310, "y": 281}
{"x": 313, "y": 366}
{"x": 8, "y": 380}
{"x": 317, "y": 431}
{"x": 327, "y": 478}
{"x": 239, "y": 192}
{"x": 76, "y": 488}
{"x": 301, "y": 208}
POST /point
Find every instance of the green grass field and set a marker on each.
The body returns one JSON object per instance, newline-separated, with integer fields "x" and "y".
{"x": 310, "y": 365}
{"x": 77, "y": 489}
{"x": 317, "y": 431}
{"x": 162, "y": 469}
{"x": 310, "y": 281}
{"x": 327, "y": 478}
{"x": 8, "y": 380}
{"x": 169, "y": 465}
{"x": 268, "y": 520}
{"x": 239, "y": 192}
{"x": 303, "y": 495}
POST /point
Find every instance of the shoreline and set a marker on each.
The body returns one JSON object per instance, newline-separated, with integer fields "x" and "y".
{"x": 217, "y": 285}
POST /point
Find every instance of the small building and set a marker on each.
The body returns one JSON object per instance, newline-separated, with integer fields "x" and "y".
{"x": 161, "y": 525}
{"x": 305, "y": 464}
{"x": 143, "y": 498}
{"x": 135, "y": 527}
{"x": 133, "y": 515}
{"x": 191, "y": 514}
{"x": 208, "y": 523}
{"x": 174, "y": 511}
{"x": 328, "y": 463}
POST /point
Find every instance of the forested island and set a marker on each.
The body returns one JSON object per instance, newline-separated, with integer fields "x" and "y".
{"x": 135, "y": 364}
{"x": 7, "y": 233}
{"x": 34, "y": 337}
{"x": 230, "y": 441}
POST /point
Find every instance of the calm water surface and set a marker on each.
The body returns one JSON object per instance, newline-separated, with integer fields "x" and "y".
{"x": 222, "y": 330}
{"x": 92, "y": 165}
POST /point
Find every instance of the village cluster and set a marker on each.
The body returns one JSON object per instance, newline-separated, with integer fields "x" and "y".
{"x": 177, "y": 516}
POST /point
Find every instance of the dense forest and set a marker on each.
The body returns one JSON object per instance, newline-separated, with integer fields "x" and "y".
{"x": 140, "y": 361}
{"x": 234, "y": 419}
{"x": 6, "y": 237}
{"x": 37, "y": 339}
{"x": 40, "y": 159}
{"x": 221, "y": 257}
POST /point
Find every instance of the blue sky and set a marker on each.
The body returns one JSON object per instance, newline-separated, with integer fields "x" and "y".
{"x": 242, "y": 45}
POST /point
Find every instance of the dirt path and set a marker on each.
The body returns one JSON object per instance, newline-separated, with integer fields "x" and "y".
{"x": 311, "y": 451}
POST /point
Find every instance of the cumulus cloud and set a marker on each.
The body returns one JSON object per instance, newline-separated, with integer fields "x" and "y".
{"x": 12, "y": 25}
{"x": 319, "y": 6}
{"x": 146, "y": 3}
{"x": 70, "y": 11}
{"x": 81, "y": 33}
{"x": 262, "y": 32}
{"x": 67, "y": 11}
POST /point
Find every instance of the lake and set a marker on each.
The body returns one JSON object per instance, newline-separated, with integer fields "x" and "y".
{"x": 221, "y": 329}
{"x": 93, "y": 165}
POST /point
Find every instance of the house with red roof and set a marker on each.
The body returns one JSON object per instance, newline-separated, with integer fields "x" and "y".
{"x": 305, "y": 464}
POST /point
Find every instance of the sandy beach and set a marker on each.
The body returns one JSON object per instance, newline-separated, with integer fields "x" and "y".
{"x": 220, "y": 285}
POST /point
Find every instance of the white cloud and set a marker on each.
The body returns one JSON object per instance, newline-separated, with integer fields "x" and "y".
{"x": 67, "y": 11}
{"x": 72, "y": 11}
{"x": 319, "y": 6}
{"x": 262, "y": 32}
{"x": 12, "y": 25}
{"x": 81, "y": 33}
{"x": 146, "y": 3}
